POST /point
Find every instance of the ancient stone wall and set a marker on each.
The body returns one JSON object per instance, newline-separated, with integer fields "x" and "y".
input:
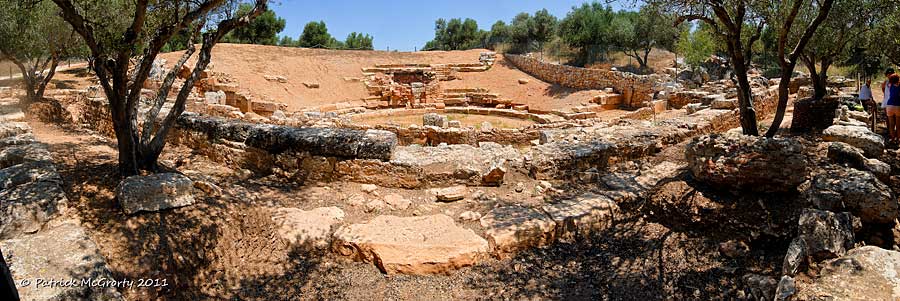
{"x": 637, "y": 90}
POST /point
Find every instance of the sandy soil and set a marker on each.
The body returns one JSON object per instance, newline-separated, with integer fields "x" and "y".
{"x": 248, "y": 64}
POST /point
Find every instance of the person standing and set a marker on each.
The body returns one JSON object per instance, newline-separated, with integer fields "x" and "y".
{"x": 867, "y": 101}
{"x": 884, "y": 86}
{"x": 892, "y": 108}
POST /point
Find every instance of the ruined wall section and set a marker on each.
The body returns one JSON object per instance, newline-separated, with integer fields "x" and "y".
{"x": 637, "y": 90}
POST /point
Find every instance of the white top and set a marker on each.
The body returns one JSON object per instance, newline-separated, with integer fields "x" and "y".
{"x": 865, "y": 93}
{"x": 887, "y": 95}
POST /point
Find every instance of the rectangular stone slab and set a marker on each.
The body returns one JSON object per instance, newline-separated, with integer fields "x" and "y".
{"x": 432, "y": 244}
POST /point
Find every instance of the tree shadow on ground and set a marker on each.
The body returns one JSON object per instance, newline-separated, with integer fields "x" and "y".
{"x": 219, "y": 248}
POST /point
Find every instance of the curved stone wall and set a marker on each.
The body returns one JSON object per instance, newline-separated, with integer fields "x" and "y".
{"x": 635, "y": 89}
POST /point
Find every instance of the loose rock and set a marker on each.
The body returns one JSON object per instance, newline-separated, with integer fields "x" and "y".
{"x": 154, "y": 192}
{"x": 450, "y": 194}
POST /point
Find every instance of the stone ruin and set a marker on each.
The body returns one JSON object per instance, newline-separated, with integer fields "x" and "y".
{"x": 450, "y": 162}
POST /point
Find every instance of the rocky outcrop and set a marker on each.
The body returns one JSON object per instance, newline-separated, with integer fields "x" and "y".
{"x": 744, "y": 162}
{"x": 155, "y": 192}
{"x": 30, "y": 192}
{"x": 865, "y": 273}
{"x": 861, "y": 137}
{"x": 860, "y": 193}
{"x": 307, "y": 228}
{"x": 61, "y": 252}
{"x": 432, "y": 244}
{"x": 275, "y": 139}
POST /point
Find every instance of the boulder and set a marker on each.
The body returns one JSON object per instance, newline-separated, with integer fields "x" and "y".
{"x": 210, "y": 189}
{"x": 154, "y": 192}
{"x": 859, "y": 192}
{"x": 843, "y": 153}
{"x": 745, "y": 162}
{"x": 761, "y": 287}
{"x": 446, "y": 165}
{"x": 61, "y": 252}
{"x": 431, "y": 244}
{"x": 692, "y": 108}
{"x": 861, "y": 137}
{"x": 786, "y": 288}
{"x": 865, "y": 273}
{"x": 307, "y": 227}
{"x": 827, "y": 234}
{"x": 433, "y": 119}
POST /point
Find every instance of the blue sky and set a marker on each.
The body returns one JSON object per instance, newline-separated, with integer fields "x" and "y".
{"x": 405, "y": 24}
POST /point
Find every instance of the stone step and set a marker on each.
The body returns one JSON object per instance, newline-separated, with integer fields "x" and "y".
{"x": 432, "y": 244}
{"x": 465, "y": 90}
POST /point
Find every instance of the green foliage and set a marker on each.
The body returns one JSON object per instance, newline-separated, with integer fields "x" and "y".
{"x": 882, "y": 41}
{"x": 263, "y": 30}
{"x": 637, "y": 33}
{"x": 315, "y": 35}
{"x": 34, "y": 31}
{"x": 589, "y": 29}
{"x": 499, "y": 34}
{"x": 35, "y": 39}
{"x": 542, "y": 27}
{"x": 696, "y": 46}
{"x": 287, "y": 41}
{"x": 456, "y": 34}
{"x": 358, "y": 41}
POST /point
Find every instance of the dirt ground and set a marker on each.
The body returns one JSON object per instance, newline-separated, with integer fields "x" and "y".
{"x": 248, "y": 64}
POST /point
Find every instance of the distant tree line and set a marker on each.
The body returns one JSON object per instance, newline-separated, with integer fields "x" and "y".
{"x": 592, "y": 30}
{"x": 264, "y": 30}
{"x": 315, "y": 35}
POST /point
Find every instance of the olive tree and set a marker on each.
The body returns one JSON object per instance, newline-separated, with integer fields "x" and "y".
{"x": 124, "y": 39}
{"x": 35, "y": 39}
{"x": 849, "y": 21}
{"x": 738, "y": 26}
{"x": 783, "y": 16}
{"x": 647, "y": 28}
